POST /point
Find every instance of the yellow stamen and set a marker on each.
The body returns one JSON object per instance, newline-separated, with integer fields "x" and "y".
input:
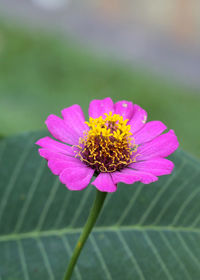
{"x": 108, "y": 145}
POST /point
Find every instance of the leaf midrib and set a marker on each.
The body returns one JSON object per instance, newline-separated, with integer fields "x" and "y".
{"x": 37, "y": 234}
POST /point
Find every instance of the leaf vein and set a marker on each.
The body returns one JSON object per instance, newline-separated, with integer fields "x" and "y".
{"x": 45, "y": 259}
{"x": 32, "y": 189}
{"x": 36, "y": 234}
{"x": 158, "y": 195}
{"x": 13, "y": 179}
{"x": 3, "y": 147}
{"x": 158, "y": 256}
{"x": 23, "y": 261}
{"x": 69, "y": 251}
{"x": 168, "y": 245}
{"x": 170, "y": 200}
{"x": 184, "y": 205}
{"x": 185, "y": 246}
{"x": 98, "y": 252}
{"x": 134, "y": 261}
{"x": 47, "y": 206}
{"x": 62, "y": 211}
{"x": 80, "y": 207}
{"x": 130, "y": 204}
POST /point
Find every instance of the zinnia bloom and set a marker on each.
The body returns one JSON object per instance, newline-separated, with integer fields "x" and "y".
{"x": 115, "y": 145}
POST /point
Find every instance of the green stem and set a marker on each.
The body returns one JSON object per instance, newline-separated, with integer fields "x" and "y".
{"x": 94, "y": 213}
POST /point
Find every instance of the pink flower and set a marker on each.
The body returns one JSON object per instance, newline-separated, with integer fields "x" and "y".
{"x": 116, "y": 145}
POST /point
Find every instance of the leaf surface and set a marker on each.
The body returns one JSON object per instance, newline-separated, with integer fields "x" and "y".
{"x": 144, "y": 232}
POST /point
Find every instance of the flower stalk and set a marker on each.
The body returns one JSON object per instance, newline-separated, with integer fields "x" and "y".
{"x": 94, "y": 213}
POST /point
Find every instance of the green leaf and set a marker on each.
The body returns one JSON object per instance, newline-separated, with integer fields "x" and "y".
{"x": 145, "y": 231}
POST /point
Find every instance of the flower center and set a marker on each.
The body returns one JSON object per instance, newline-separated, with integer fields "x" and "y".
{"x": 107, "y": 146}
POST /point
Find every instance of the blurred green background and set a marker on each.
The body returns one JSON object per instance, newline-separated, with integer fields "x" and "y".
{"x": 41, "y": 74}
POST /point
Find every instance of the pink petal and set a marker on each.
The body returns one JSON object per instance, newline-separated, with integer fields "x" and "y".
{"x": 155, "y": 166}
{"x": 76, "y": 177}
{"x": 124, "y": 108}
{"x": 149, "y": 132}
{"x": 58, "y": 128}
{"x": 130, "y": 176}
{"x": 104, "y": 183}
{"x": 55, "y": 146}
{"x": 138, "y": 119}
{"x": 49, "y": 155}
{"x": 74, "y": 118}
{"x": 98, "y": 107}
{"x": 162, "y": 146}
{"x": 58, "y": 165}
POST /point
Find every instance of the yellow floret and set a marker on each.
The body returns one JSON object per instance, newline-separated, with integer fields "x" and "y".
{"x": 108, "y": 144}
